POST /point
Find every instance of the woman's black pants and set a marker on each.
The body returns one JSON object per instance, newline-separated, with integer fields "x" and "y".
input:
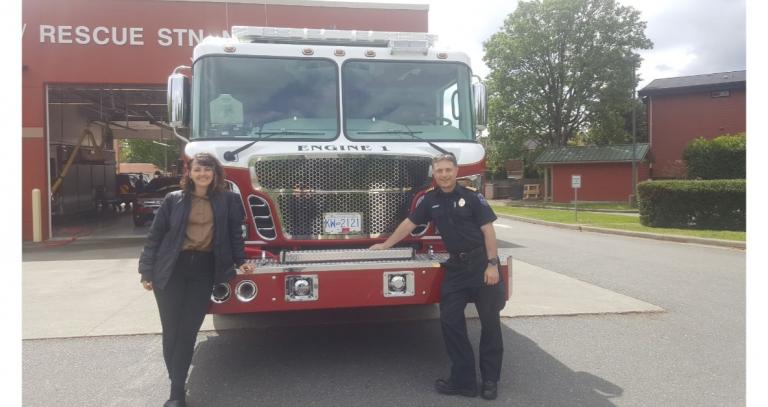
{"x": 183, "y": 303}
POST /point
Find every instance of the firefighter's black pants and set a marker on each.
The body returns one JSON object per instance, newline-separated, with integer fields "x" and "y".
{"x": 489, "y": 300}
{"x": 183, "y": 304}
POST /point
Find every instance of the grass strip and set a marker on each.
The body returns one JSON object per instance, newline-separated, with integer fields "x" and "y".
{"x": 582, "y": 205}
{"x": 611, "y": 221}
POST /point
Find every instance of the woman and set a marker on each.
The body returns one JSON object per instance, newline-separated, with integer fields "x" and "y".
{"x": 195, "y": 242}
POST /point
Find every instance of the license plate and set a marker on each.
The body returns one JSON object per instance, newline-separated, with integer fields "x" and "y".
{"x": 342, "y": 223}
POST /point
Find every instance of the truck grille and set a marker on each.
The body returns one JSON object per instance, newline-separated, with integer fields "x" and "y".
{"x": 303, "y": 189}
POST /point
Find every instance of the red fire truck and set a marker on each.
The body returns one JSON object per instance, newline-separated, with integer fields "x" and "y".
{"x": 327, "y": 135}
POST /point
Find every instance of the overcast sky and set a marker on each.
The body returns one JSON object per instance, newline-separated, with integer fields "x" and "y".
{"x": 690, "y": 37}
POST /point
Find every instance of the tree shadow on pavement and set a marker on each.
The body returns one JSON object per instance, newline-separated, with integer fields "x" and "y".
{"x": 373, "y": 364}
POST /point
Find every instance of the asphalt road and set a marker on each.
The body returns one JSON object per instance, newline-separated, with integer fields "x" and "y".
{"x": 691, "y": 355}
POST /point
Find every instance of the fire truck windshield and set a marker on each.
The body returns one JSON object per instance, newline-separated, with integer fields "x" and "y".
{"x": 394, "y": 100}
{"x": 250, "y": 98}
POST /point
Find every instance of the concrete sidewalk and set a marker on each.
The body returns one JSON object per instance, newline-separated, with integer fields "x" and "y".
{"x": 76, "y": 298}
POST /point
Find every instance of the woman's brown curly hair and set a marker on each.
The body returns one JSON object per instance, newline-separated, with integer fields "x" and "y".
{"x": 219, "y": 183}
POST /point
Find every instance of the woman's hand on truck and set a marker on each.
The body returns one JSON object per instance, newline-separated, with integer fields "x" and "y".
{"x": 247, "y": 268}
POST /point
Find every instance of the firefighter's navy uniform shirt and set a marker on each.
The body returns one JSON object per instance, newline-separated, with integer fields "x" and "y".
{"x": 458, "y": 216}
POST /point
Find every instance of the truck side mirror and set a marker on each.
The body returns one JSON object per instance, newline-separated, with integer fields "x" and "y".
{"x": 178, "y": 100}
{"x": 480, "y": 100}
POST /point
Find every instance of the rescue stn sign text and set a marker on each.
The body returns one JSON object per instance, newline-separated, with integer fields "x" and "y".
{"x": 135, "y": 36}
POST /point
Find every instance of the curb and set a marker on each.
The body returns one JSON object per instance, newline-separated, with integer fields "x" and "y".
{"x": 670, "y": 238}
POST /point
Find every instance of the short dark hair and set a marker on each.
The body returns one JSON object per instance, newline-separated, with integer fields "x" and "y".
{"x": 445, "y": 157}
{"x": 219, "y": 183}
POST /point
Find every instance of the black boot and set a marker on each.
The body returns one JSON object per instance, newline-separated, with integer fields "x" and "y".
{"x": 489, "y": 391}
{"x": 177, "y": 398}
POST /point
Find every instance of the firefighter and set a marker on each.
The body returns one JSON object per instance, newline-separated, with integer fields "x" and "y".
{"x": 465, "y": 220}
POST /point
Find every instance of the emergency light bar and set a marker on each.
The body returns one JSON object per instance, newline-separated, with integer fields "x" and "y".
{"x": 319, "y": 36}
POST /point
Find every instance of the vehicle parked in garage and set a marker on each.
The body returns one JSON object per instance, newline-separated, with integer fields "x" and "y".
{"x": 129, "y": 185}
{"x": 148, "y": 201}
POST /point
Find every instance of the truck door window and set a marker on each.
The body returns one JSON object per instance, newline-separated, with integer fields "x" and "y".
{"x": 450, "y": 104}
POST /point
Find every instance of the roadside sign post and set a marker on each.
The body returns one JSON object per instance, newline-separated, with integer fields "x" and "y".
{"x": 576, "y": 184}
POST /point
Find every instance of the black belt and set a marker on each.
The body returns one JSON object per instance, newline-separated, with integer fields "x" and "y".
{"x": 469, "y": 253}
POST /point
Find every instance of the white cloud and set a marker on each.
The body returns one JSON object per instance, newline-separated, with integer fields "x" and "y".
{"x": 690, "y": 36}
{"x": 667, "y": 63}
{"x": 465, "y": 25}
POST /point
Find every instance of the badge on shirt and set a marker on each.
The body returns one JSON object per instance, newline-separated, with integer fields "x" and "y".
{"x": 462, "y": 202}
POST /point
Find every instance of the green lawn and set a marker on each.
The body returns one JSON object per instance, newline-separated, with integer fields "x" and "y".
{"x": 611, "y": 221}
{"x": 582, "y": 205}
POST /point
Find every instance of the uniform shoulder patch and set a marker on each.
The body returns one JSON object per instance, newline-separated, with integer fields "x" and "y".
{"x": 482, "y": 199}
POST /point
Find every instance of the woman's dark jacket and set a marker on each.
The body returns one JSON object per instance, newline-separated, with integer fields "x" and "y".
{"x": 168, "y": 231}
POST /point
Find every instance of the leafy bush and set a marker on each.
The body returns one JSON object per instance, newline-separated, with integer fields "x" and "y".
{"x": 701, "y": 204}
{"x": 724, "y": 157}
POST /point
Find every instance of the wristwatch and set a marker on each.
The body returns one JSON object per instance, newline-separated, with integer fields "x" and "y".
{"x": 494, "y": 261}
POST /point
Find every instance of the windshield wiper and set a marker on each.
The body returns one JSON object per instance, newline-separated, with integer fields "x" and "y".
{"x": 232, "y": 155}
{"x": 286, "y": 133}
{"x": 393, "y": 131}
{"x": 408, "y": 132}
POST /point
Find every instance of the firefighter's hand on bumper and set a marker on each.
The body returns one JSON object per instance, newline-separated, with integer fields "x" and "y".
{"x": 146, "y": 284}
{"x": 247, "y": 268}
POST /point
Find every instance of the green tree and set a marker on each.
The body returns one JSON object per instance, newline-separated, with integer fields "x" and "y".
{"x": 614, "y": 126}
{"x": 146, "y": 151}
{"x": 560, "y": 68}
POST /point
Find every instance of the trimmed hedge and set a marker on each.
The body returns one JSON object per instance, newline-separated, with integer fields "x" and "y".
{"x": 700, "y": 204}
{"x": 724, "y": 157}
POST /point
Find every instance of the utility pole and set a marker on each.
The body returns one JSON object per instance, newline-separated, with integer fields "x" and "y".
{"x": 634, "y": 139}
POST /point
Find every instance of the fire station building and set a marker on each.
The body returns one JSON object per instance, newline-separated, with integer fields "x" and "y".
{"x": 94, "y": 73}
{"x": 679, "y": 110}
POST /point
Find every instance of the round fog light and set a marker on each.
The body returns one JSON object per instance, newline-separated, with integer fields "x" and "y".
{"x": 397, "y": 283}
{"x": 246, "y": 290}
{"x": 301, "y": 287}
{"x": 220, "y": 293}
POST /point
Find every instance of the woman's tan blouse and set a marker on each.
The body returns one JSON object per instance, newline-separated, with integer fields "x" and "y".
{"x": 199, "y": 226}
